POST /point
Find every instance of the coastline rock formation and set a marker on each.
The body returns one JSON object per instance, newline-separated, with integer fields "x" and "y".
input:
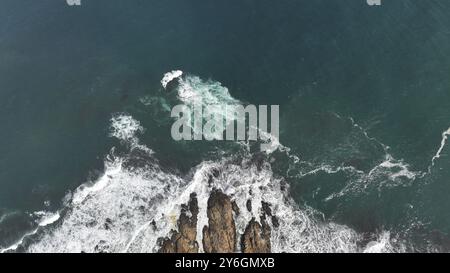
{"x": 184, "y": 240}
{"x": 220, "y": 235}
{"x": 256, "y": 237}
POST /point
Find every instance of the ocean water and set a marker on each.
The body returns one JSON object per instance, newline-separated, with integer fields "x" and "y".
{"x": 86, "y": 158}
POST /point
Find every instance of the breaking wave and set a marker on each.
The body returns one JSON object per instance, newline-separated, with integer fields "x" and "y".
{"x": 44, "y": 218}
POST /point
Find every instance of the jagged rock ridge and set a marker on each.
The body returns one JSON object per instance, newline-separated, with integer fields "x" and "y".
{"x": 183, "y": 240}
{"x": 220, "y": 235}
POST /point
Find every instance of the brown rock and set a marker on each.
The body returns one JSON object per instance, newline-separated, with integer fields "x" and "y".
{"x": 256, "y": 238}
{"x": 220, "y": 234}
{"x": 168, "y": 244}
{"x": 183, "y": 240}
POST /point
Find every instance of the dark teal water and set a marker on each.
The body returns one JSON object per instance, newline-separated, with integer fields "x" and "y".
{"x": 351, "y": 80}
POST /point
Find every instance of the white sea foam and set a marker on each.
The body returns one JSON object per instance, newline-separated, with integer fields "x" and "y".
{"x": 45, "y": 218}
{"x": 170, "y": 76}
{"x": 396, "y": 168}
{"x": 381, "y": 245}
{"x": 112, "y": 167}
{"x": 393, "y": 169}
{"x": 126, "y": 129}
{"x": 5, "y": 215}
{"x": 195, "y": 92}
{"x": 111, "y": 219}
{"x": 366, "y": 134}
{"x": 445, "y": 136}
{"x": 330, "y": 170}
{"x": 16, "y": 245}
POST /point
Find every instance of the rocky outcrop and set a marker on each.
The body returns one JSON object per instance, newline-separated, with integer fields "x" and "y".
{"x": 220, "y": 235}
{"x": 184, "y": 240}
{"x": 256, "y": 237}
